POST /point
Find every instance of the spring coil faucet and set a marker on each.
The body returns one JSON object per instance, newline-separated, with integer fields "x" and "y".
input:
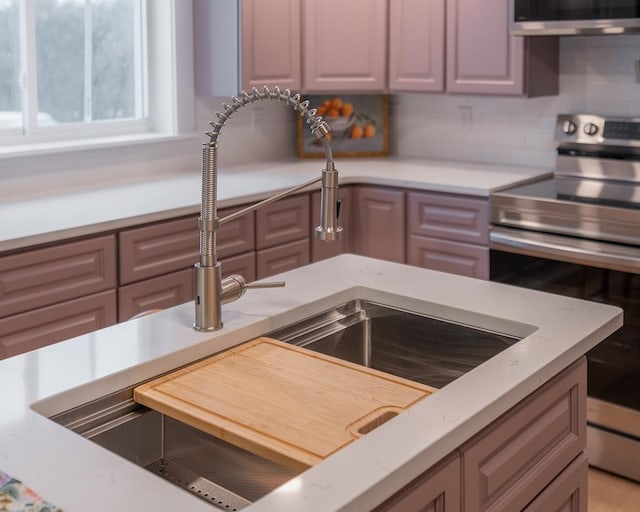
{"x": 211, "y": 290}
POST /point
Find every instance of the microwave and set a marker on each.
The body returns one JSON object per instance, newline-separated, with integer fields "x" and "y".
{"x": 573, "y": 17}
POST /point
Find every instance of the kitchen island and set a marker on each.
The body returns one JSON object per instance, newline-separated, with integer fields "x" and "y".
{"x": 76, "y": 474}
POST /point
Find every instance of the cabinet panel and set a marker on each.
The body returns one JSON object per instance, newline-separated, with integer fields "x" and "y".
{"x": 449, "y": 217}
{"x": 344, "y": 45}
{"x": 40, "y": 277}
{"x": 437, "y": 490}
{"x": 568, "y": 492}
{"x": 482, "y": 56}
{"x": 237, "y": 236}
{"x": 156, "y": 293}
{"x": 243, "y": 264}
{"x": 283, "y": 221}
{"x": 453, "y": 257}
{"x": 380, "y": 223}
{"x": 44, "y": 326}
{"x": 416, "y": 45}
{"x": 271, "y": 44}
{"x": 516, "y": 457}
{"x": 321, "y": 250}
{"x": 162, "y": 248}
{"x": 282, "y": 258}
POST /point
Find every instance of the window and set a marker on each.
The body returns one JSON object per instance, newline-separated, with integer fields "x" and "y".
{"x": 78, "y": 69}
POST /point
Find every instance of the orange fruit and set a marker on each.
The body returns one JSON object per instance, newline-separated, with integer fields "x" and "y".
{"x": 337, "y": 103}
{"x": 357, "y": 131}
{"x": 369, "y": 131}
{"x": 333, "y": 112}
{"x": 346, "y": 109}
{"x": 321, "y": 110}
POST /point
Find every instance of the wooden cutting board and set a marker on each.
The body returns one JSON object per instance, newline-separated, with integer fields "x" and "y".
{"x": 286, "y": 403}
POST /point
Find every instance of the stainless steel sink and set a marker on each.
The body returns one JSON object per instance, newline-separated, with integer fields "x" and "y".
{"x": 410, "y": 345}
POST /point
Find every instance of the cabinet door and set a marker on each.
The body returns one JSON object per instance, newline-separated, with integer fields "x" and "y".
{"x": 416, "y": 45}
{"x": 157, "y": 293}
{"x": 438, "y": 490}
{"x": 40, "y": 277}
{"x": 344, "y": 45}
{"x": 445, "y": 256}
{"x": 243, "y": 264}
{"x": 320, "y": 249}
{"x": 380, "y": 223}
{"x": 283, "y": 221}
{"x": 282, "y": 258}
{"x": 482, "y": 56}
{"x": 271, "y": 44}
{"x": 41, "y": 327}
{"x": 510, "y": 462}
{"x": 567, "y": 493}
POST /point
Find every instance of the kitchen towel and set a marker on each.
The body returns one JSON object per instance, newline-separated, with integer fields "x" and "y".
{"x": 17, "y": 497}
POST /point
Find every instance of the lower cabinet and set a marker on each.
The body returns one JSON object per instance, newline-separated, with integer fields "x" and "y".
{"x": 446, "y": 256}
{"x": 44, "y": 326}
{"x": 530, "y": 459}
{"x": 282, "y": 258}
{"x": 379, "y": 220}
{"x": 437, "y": 490}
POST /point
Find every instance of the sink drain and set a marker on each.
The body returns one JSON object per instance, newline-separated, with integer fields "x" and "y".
{"x": 205, "y": 489}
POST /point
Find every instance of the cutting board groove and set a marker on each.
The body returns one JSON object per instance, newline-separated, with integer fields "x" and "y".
{"x": 286, "y": 403}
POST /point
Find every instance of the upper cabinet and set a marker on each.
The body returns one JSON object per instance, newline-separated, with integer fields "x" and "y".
{"x": 368, "y": 46}
{"x": 246, "y": 43}
{"x": 417, "y": 45}
{"x": 344, "y": 45}
{"x": 483, "y": 58}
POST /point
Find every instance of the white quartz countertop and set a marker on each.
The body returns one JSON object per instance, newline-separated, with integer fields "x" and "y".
{"x": 77, "y": 475}
{"x": 62, "y": 209}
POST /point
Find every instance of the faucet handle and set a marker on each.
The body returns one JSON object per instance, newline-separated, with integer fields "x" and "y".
{"x": 269, "y": 284}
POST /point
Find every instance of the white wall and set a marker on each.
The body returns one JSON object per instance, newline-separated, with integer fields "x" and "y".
{"x": 597, "y": 76}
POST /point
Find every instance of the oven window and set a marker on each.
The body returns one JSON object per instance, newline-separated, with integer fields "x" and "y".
{"x": 614, "y": 365}
{"x": 573, "y": 10}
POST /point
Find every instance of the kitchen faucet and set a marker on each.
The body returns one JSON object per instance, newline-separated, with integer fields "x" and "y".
{"x": 211, "y": 290}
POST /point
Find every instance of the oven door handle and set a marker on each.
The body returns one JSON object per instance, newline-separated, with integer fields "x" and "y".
{"x": 591, "y": 253}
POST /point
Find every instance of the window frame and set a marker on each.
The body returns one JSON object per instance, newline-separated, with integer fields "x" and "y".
{"x": 168, "y": 102}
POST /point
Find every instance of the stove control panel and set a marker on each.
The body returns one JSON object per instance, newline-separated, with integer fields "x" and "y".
{"x": 574, "y": 130}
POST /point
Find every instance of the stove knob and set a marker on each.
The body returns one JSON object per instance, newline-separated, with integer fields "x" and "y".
{"x": 569, "y": 127}
{"x": 590, "y": 129}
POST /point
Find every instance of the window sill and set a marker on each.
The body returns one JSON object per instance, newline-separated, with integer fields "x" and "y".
{"x": 68, "y": 146}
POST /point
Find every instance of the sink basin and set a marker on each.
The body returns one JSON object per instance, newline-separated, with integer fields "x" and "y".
{"x": 417, "y": 347}
{"x": 424, "y": 349}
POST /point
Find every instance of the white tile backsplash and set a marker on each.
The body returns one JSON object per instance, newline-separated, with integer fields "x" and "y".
{"x": 597, "y": 76}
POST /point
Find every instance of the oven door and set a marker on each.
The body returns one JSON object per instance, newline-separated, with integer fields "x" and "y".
{"x": 566, "y": 17}
{"x": 600, "y": 272}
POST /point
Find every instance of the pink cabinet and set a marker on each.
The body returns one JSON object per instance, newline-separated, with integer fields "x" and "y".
{"x": 283, "y": 221}
{"x": 344, "y": 45}
{"x": 449, "y": 232}
{"x": 282, "y": 258}
{"x": 417, "y": 45}
{"x": 240, "y": 44}
{"x": 437, "y": 490}
{"x": 379, "y": 223}
{"x": 508, "y": 464}
{"x": 483, "y": 58}
{"x": 44, "y": 326}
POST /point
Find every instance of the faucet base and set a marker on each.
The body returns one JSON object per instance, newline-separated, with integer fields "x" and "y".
{"x": 208, "y": 298}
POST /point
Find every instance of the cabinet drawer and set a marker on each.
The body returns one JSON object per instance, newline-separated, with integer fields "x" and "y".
{"x": 41, "y": 277}
{"x": 567, "y": 493}
{"x": 150, "y": 251}
{"x": 243, "y": 264}
{"x": 449, "y": 217}
{"x": 282, "y": 258}
{"x": 283, "y": 221}
{"x": 519, "y": 454}
{"x": 437, "y": 490}
{"x": 453, "y": 257}
{"x": 44, "y": 326}
{"x": 157, "y": 293}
